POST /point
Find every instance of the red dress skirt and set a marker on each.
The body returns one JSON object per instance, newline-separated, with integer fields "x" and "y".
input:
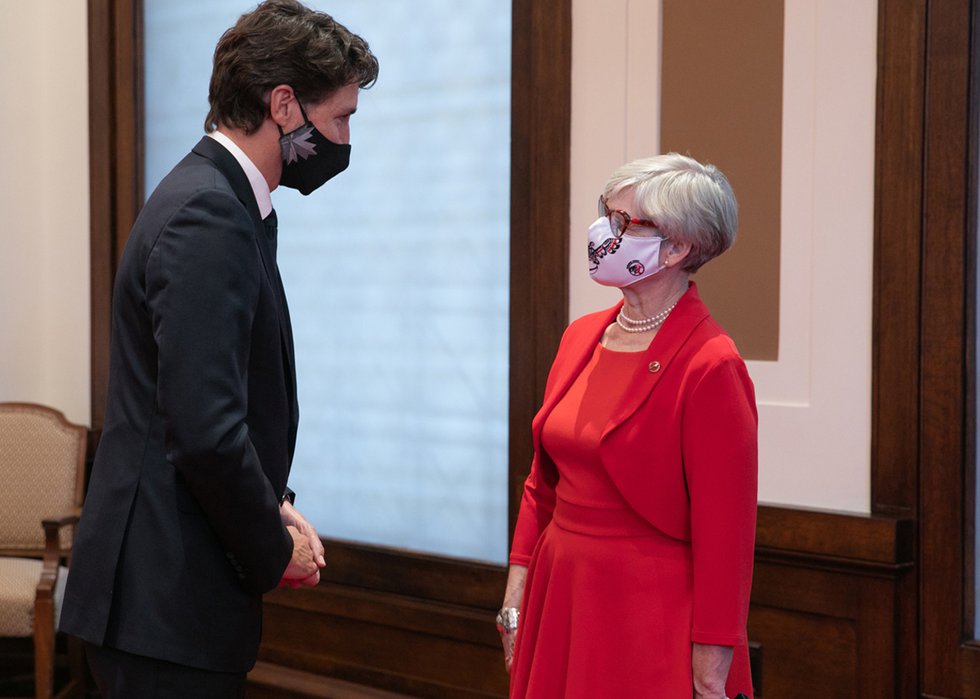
{"x": 607, "y": 607}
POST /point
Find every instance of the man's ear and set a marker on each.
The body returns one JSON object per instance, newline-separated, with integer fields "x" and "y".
{"x": 283, "y": 107}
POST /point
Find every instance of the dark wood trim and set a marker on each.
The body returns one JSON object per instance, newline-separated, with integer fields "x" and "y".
{"x": 898, "y": 242}
{"x": 101, "y": 244}
{"x": 278, "y": 682}
{"x": 971, "y": 248}
{"x": 115, "y": 164}
{"x": 861, "y": 541}
{"x": 951, "y": 665}
{"x": 539, "y": 213}
{"x": 437, "y": 578}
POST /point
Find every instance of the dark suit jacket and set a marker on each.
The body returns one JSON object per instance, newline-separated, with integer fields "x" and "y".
{"x": 181, "y": 533}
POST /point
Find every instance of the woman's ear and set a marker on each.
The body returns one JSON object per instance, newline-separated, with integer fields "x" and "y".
{"x": 674, "y": 252}
{"x": 283, "y": 106}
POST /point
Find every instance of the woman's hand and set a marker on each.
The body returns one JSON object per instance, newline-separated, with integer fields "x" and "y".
{"x": 507, "y": 638}
{"x": 709, "y": 665}
{"x": 513, "y": 596}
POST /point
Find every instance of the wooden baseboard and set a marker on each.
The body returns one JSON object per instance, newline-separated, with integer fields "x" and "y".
{"x": 279, "y": 682}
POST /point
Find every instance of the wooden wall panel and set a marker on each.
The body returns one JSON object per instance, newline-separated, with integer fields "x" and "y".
{"x": 403, "y": 645}
{"x": 815, "y": 646}
{"x": 833, "y": 605}
{"x": 421, "y": 626}
{"x": 831, "y": 615}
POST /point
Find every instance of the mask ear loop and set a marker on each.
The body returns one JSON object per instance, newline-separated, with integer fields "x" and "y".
{"x": 290, "y": 142}
{"x": 306, "y": 120}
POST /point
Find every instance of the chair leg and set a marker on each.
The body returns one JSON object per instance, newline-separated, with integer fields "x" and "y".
{"x": 43, "y": 648}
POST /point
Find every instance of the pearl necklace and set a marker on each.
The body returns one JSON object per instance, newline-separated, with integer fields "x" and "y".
{"x": 632, "y": 325}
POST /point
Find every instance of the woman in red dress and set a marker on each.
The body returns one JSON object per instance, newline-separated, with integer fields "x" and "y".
{"x": 631, "y": 564}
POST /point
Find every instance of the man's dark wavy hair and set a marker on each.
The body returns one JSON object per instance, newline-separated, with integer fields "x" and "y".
{"x": 282, "y": 42}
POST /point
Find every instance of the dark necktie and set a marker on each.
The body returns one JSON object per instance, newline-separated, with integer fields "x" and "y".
{"x": 271, "y": 223}
{"x": 271, "y": 230}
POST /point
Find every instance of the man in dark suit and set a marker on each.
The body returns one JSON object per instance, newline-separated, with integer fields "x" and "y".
{"x": 188, "y": 520}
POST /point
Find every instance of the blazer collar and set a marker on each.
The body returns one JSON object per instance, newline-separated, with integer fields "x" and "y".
{"x": 256, "y": 180}
{"x": 226, "y": 163}
{"x": 211, "y": 149}
{"x": 689, "y": 313}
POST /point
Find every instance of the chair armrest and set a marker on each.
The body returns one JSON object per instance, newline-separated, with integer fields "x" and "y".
{"x": 54, "y": 525}
{"x": 52, "y": 552}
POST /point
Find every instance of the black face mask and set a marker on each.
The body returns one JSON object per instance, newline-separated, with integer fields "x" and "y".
{"x": 309, "y": 158}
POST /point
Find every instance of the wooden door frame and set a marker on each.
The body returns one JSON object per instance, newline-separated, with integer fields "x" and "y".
{"x": 947, "y": 467}
{"x": 925, "y": 424}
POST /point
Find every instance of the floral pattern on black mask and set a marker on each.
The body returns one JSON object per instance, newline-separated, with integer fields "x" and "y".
{"x": 298, "y": 144}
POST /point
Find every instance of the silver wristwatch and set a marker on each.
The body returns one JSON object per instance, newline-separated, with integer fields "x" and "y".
{"x": 507, "y": 619}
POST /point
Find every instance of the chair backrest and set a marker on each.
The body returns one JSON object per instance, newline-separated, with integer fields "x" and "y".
{"x": 42, "y": 471}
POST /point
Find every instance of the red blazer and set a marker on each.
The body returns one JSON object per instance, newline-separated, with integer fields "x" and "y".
{"x": 682, "y": 449}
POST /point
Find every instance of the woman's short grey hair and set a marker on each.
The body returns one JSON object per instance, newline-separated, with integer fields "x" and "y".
{"x": 690, "y": 202}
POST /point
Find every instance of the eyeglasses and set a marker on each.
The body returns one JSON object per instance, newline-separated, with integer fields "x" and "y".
{"x": 619, "y": 220}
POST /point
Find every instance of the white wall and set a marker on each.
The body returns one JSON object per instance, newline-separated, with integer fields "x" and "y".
{"x": 815, "y": 402}
{"x": 44, "y": 197}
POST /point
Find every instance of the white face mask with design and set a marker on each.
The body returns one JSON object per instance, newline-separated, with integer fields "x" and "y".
{"x": 621, "y": 261}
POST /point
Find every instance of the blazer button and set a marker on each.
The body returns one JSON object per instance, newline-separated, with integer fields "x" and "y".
{"x": 654, "y": 367}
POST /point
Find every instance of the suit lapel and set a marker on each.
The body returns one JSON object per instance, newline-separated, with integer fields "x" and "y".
{"x": 225, "y": 162}
{"x": 208, "y": 148}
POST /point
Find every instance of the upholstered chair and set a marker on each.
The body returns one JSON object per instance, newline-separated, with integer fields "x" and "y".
{"x": 42, "y": 471}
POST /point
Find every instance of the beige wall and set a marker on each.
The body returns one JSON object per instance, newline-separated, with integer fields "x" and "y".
{"x": 814, "y": 401}
{"x": 44, "y": 312}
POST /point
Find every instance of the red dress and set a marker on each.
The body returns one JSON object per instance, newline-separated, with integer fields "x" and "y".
{"x": 607, "y": 606}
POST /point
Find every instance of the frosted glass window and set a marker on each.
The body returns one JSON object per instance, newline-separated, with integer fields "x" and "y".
{"x": 396, "y": 271}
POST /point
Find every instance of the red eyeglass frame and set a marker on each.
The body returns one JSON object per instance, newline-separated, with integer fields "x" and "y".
{"x": 628, "y": 220}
